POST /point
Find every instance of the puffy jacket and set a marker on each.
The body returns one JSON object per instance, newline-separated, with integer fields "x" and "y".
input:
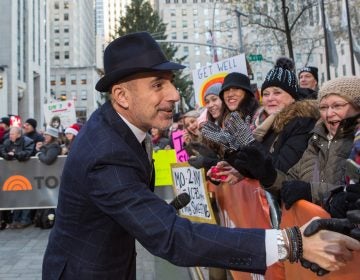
{"x": 22, "y": 148}
{"x": 323, "y": 162}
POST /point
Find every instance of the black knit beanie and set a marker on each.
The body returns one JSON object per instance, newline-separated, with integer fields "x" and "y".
{"x": 32, "y": 122}
{"x": 312, "y": 70}
{"x": 283, "y": 77}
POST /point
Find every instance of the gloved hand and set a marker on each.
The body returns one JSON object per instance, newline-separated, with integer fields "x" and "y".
{"x": 347, "y": 226}
{"x": 236, "y": 133}
{"x": 202, "y": 162}
{"x": 239, "y": 130}
{"x": 254, "y": 163}
{"x": 342, "y": 200}
{"x": 293, "y": 191}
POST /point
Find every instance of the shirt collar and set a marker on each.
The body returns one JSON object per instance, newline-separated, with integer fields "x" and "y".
{"x": 139, "y": 134}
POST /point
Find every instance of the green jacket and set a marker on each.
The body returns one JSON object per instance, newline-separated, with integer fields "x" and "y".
{"x": 323, "y": 162}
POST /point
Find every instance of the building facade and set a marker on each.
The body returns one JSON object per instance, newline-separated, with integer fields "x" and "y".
{"x": 73, "y": 68}
{"x": 24, "y": 58}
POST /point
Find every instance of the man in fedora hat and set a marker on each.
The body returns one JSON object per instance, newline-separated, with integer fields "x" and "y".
{"x": 106, "y": 199}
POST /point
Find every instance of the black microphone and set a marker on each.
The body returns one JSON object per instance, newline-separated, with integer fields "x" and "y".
{"x": 180, "y": 201}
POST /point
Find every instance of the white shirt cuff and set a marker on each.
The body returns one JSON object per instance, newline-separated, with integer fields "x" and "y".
{"x": 271, "y": 247}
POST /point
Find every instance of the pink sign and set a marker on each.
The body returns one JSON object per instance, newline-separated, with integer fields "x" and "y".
{"x": 177, "y": 138}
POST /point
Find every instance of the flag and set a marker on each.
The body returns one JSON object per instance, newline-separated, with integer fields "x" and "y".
{"x": 333, "y": 56}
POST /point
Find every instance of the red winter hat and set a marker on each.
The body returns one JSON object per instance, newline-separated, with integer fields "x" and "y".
{"x": 73, "y": 129}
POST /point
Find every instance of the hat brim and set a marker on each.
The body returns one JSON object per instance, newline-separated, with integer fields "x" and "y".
{"x": 235, "y": 85}
{"x": 104, "y": 84}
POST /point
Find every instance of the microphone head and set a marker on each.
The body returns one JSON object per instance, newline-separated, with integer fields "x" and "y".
{"x": 180, "y": 201}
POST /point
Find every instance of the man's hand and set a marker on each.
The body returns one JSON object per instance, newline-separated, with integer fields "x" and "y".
{"x": 329, "y": 250}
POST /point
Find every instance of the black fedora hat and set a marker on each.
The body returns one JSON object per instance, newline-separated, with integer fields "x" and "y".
{"x": 131, "y": 54}
{"x": 236, "y": 80}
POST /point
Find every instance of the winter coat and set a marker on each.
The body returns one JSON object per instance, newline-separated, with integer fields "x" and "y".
{"x": 285, "y": 135}
{"x": 323, "y": 162}
{"x": 48, "y": 153}
{"x": 22, "y": 148}
{"x": 36, "y": 137}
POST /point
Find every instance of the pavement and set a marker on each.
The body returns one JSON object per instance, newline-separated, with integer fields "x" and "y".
{"x": 22, "y": 250}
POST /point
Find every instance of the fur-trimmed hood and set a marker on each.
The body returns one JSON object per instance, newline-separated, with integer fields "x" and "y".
{"x": 303, "y": 108}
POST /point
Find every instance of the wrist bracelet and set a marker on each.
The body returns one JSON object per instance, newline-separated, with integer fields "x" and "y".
{"x": 295, "y": 243}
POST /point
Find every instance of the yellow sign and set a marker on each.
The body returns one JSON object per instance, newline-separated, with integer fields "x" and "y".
{"x": 162, "y": 161}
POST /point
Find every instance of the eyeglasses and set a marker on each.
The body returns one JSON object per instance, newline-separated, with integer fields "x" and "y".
{"x": 335, "y": 107}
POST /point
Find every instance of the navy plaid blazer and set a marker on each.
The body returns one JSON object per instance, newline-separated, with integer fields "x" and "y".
{"x": 105, "y": 204}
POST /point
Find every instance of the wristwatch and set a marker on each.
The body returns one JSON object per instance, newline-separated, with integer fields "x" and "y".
{"x": 283, "y": 248}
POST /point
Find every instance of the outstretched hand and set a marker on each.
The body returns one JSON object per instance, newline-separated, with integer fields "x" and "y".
{"x": 254, "y": 163}
{"x": 348, "y": 226}
{"x": 329, "y": 250}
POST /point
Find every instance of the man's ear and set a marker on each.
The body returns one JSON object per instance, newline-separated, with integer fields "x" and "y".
{"x": 120, "y": 96}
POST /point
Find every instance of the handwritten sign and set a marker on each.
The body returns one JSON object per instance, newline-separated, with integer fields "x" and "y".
{"x": 192, "y": 181}
{"x": 208, "y": 75}
{"x": 65, "y": 110}
{"x": 177, "y": 138}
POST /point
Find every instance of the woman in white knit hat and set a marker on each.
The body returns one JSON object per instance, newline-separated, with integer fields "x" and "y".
{"x": 321, "y": 169}
{"x": 322, "y": 166}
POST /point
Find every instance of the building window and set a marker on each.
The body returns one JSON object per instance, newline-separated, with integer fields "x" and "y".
{"x": 63, "y": 96}
{"x": 342, "y": 50}
{"x": 173, "y": 23}
{"x": 66, "y": 4}
{"x": 56, "y": 42}
{"x": 63, "y": 80}
{"x": 336, "y": 72}
{"x": 83, "y": 95}
{"x": 66, "y": 41}
{"x": 194, "y": 1}
{"x": 56, "y": 29}
{"x": 57, "y": 55}
{"x": 66, "y": 16}
{"x": 321, "y": 58}
{"x": 185, "y": 36}
{"x": 184, "y": 24}
{"x": 56, "y": 5}
{"x": 66, "y": 29}
{"x": 167, "y": 2}
{"x": 184, "y": 12}
{"x": 73, "y": 95}
{"x": 184, "y": 1}
{"x": 195, "y": 12}
{"x": 73, "y": 79}
{"x": 56, "y": 17}
{"x": 173, "y": 12}
{"x": 186, "y": 50}
{"x": 52, "y": 80}
{"x": 196, "y": 23}
{"x": 176, "y": 1}
{"x": 173, "y": 35}
{"x": 66, "y": 54}
{"x": 83, "y": 79}
{"x": 197, "y": 50}
{"x": 344, "y": 70}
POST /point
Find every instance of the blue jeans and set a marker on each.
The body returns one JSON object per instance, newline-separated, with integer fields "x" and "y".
{"x": 22, "y": 216}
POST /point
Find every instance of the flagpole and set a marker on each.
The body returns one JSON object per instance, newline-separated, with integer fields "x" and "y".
{"x": 350, "y": 38}
{"x": 325, "y": 39}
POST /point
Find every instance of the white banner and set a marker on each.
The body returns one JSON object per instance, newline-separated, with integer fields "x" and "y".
{"x": 65, "y": 110}
{"x": 208, "y": 75}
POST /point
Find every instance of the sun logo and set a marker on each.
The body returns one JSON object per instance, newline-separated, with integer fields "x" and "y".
{"x": 17, "y": 183}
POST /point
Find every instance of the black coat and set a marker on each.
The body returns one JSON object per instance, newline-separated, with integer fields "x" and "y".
{"x": 22, "y": 147}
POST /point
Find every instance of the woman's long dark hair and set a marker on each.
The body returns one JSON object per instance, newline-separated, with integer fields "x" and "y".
{"x": 247, "y": 106}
